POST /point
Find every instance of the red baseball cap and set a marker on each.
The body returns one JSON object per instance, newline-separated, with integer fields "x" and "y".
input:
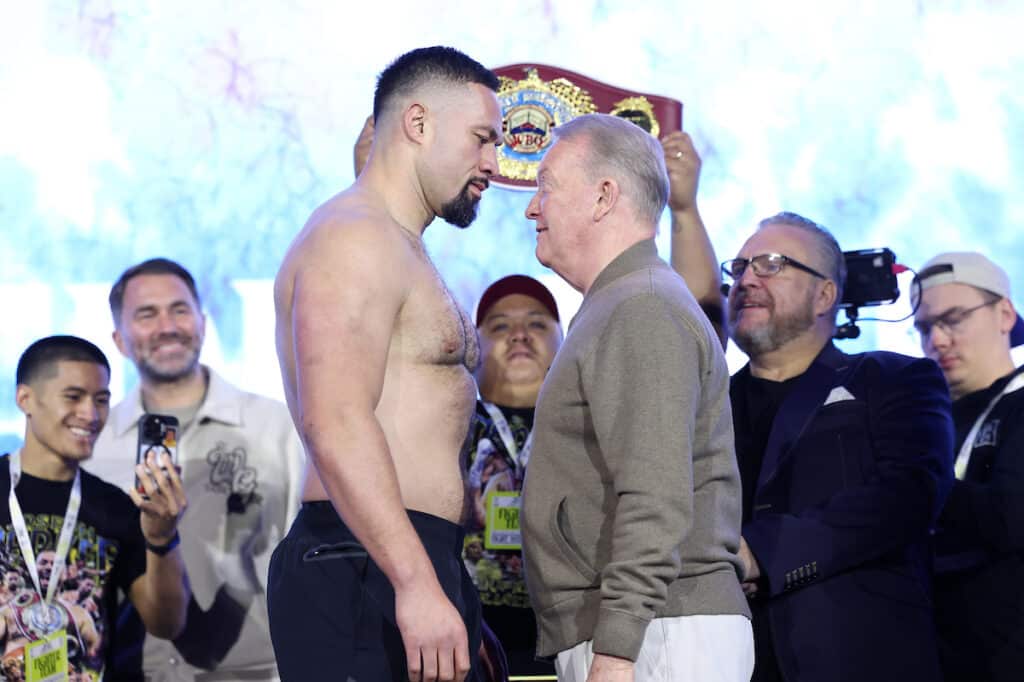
{"x": 515, "y": 284}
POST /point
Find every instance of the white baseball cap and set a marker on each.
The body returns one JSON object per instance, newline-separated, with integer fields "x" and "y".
{"x": 968, "y": 267}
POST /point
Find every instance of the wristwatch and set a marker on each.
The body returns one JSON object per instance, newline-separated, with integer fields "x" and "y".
{"x": 161, "y": 550}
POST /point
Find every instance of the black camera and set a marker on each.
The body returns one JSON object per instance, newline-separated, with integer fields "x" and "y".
{"x": 870, "y": 281}
{"x": 870, "y": 278}
{"x": 153, "y": 427}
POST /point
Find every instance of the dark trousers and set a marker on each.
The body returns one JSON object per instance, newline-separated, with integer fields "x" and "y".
{"x": 516, "y": 628}
{"x": 332, "y": 610}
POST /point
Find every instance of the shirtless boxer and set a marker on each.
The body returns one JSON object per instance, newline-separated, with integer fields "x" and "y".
{"x": 377, "y": 363}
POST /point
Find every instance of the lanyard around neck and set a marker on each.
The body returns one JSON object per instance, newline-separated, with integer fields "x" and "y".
{"x": 964, "y": 457}
{"x": 25, "y": 542}
{"x": 519, "y": 458}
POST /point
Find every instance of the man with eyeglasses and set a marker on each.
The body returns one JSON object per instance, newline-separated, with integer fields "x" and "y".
{"x": 845, "y": 461}
{"x": 968, "y": 325}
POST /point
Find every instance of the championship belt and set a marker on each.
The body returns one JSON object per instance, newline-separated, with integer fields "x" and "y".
{"x": 536, "y": 98}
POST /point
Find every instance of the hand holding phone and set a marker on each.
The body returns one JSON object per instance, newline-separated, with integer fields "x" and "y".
{"x": 158, "y": 435}
{"x": 158, "y": 494}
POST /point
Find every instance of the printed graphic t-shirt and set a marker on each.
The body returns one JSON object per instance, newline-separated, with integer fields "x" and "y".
{"x": 107, "y": 552}
{"x": 498, "y": 573}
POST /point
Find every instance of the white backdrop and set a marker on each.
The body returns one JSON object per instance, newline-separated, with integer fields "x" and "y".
{"x": 207, "y": 131}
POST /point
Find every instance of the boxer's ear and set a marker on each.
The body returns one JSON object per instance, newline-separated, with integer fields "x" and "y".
{"x": 414, "y": 122}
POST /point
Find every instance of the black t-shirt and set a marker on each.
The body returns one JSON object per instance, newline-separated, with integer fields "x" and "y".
{"x": 498, "y": 573}
{"x": 754, "y": 413}
{"x": 968, "y": 408}
{"x": 107, "y": 553}
{"x": 981, "y": 518}
{"x": 979, "y": 546}
{"x": 492, "y": 469}
{"x": 762, "y": 401}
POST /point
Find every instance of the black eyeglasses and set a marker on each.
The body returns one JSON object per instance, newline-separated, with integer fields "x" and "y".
{"x": 949, "y": 322}
{"x": 765, "y": 265}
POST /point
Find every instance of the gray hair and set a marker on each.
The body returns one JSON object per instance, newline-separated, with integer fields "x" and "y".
{"x": 825, "y": 245}
{"x": 631, "y": 154}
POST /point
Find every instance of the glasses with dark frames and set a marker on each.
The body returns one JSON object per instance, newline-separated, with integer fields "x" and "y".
{"x": 949, "y": 322}
{"x": 765, "y": 265}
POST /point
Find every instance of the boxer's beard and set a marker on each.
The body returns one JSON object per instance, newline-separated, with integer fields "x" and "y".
{"x": 460, "y": 211}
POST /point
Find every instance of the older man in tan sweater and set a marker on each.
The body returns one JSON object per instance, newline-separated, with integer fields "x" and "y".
{"x": 632, "y": 500}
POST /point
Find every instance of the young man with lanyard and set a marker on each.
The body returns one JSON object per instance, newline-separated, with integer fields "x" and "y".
{"x": 58, "y": 515}
{"x": 968, "y": 325}
{"x": 518, "y": 323}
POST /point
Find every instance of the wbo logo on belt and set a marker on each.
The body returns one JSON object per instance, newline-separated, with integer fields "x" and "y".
{"x": 536, "y": 98}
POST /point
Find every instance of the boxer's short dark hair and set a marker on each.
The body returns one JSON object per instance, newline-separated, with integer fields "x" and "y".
{"x": 420, "y": 66}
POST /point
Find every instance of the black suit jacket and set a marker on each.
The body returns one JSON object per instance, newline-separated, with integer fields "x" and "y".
{"x": 857, "y": 467}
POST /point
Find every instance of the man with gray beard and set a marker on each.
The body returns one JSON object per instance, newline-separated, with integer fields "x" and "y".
{"x": 845, "y": 462}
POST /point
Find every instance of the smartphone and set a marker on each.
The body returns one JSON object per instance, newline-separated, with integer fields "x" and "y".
{"x": 158, "y": 433}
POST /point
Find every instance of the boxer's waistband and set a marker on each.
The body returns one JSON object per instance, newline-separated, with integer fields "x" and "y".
{"x": 433, "y": 530}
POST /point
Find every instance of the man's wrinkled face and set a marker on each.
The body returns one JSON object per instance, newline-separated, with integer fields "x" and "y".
{"x": 765, "y": 313}
{"x": 161, "y": 327}
{"x": 562, "y": 209}
{"x": 518, "y": 341}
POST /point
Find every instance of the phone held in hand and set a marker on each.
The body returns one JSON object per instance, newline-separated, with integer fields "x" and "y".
{"x": 158, "y": 434}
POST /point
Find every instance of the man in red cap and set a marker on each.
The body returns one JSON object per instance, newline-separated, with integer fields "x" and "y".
{"x": 517, "y": 320}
